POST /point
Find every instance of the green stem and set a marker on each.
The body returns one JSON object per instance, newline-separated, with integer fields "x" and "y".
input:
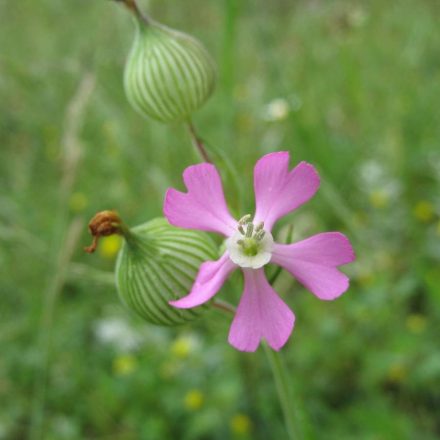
{"x": 288, "y": 406}
{"x": 223, "y": 306}
{"x": 197, "y": 142}
{"x": 231, "y": 9}
{"x": 63, "y": 246}
{"x": 132, "y": 6}
{"x": 216, "y": 157}
{"x": 224, "y": 161}
{"x": 279, "y": 269}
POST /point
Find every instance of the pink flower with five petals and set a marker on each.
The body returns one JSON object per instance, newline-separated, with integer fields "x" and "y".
{"x": 261, "y": 313}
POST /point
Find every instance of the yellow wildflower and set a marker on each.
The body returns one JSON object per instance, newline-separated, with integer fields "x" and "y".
{"x": 193, "y": 400}
{"x": 182, "y": 347}
{"x": 240, "y": 424}
{"x": 397, "y": 373}
{"x": 124, "y": 365}
{"x": 416, "y": 323}
{"x": 379, "y": 198}
{"x": 109, "y": 246}
{"x": 424, "y": 211}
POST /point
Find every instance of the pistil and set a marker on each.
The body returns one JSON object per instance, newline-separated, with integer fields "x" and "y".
{"x": 252, "y": 235}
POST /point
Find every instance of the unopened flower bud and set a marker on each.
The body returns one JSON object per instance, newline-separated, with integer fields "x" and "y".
{"x": 168, "y": 74}
{"x": 157, "y": 263}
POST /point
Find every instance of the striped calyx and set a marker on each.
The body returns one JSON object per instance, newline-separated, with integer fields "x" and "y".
{"x": 169, "y": 74}
{"x": 157, "y": 264}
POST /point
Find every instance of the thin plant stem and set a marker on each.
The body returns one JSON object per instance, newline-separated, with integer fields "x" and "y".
{"x": 223, "y": 158}
{"x": 82, "y": 273}
{"x": 66, "y": 235}
{"x": 290, "y": 410}
{"x": 223, "y": 306}
{"x": 198, "y": 142}
{"x": 289, "y": 405}
{"x": 231, "y": 11}
{"x": 132, "y": 6}
{"x": 279, "y": 269}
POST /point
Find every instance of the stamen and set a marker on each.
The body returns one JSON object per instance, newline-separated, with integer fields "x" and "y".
{"x": 250, "y": 230}
{"x": 245, "y": 219}
{"x": 252, "y": 236}
{"x": 259, "y": 227}
{"x": 250, "y": 246}
{"x": 260, "y": 234}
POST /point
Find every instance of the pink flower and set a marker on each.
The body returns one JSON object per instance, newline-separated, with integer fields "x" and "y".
{"x": 261, "y": 314}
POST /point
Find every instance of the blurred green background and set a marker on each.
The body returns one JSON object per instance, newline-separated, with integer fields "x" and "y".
{"x": 352, "y": 87}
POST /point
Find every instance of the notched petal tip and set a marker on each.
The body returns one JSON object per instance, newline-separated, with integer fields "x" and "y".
{"x": 192, "y": 170}
{"x": 261, "y": 314}
{"x": 347, "y": 248}
{"x": 203, "y": 206}
{"x": 279, "y": 191}
{"x": 274, "y": 155}
{"x": 170, "y": 199}
{"x": 209, "y": 280}
{"x": 310, "y": 173}
{"x": 314, "y": 263}
{"x": 331, "y": 295}
{"x": 244, "y": 347}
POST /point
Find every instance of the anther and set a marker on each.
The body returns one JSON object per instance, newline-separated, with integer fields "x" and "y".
{"x": 260, "y": 234}
{"x": 259, "y": 227}
{"x": 250, "y": 230}
{"x": 245, "y": 219}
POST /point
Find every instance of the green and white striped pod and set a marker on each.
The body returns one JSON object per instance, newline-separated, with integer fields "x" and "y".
{"x": 168, "y": 74}
{"x": 157, "y": 264}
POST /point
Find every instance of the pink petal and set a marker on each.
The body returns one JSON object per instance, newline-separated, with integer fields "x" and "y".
{"x": 203, "y": 206}
{"x": 279, "y": 191}
{"x": 313, "y": 263}
{"x": 260, "y": 314}
{"x": 209, "y": 280}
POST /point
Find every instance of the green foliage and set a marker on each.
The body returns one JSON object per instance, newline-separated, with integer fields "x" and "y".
{"x": 352, "y": 87}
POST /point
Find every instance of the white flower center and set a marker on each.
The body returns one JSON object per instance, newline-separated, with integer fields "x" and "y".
{"x": 251, "y": 246}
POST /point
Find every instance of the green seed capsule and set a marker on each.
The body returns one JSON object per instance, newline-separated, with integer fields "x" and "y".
{"x": 169, "y": 74}
{"x": 157, "y": 264}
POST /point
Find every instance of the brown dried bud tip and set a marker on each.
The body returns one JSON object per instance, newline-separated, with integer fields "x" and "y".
{"x": 132, "y": 6}
{"x": 103, "y": 224}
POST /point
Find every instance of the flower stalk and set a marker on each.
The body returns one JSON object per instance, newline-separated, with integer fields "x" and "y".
{"x": 285, "y": 395}
{"x": 132, "y": 6}
{"x": 223, "y": 306}
{"x": 288, "y": 403}
{"x": 198, "y": 143}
